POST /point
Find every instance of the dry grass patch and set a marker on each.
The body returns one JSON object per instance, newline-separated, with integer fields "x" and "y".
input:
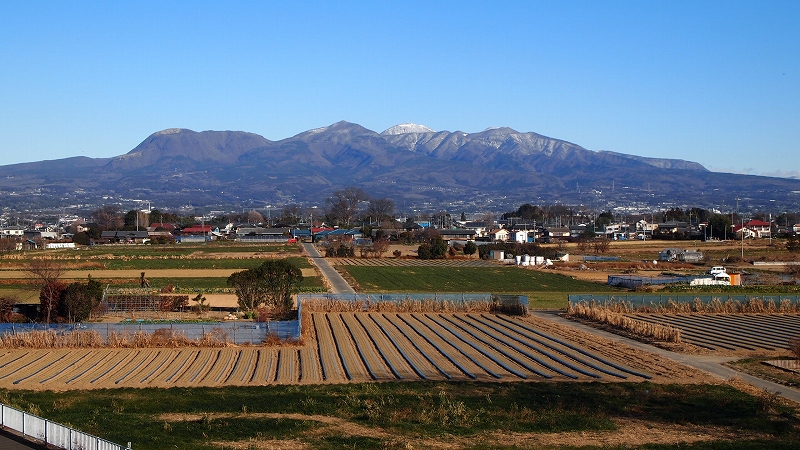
{"x": 610, "y": 316}
{"x": 163, "y": 337}
{"x": 411, "y": 306}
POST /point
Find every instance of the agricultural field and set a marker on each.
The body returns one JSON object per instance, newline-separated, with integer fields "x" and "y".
{"x": 545, "y": 289}
{"x": 190, "y": 269}
{"x": 354, "y": 347}
{"x": 732, "y": 333}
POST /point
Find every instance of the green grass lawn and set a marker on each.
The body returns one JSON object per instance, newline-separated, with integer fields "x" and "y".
{"x": 544, "y": 290}
{"x": 402, "y": 414}
{"x": 466, "y": 279}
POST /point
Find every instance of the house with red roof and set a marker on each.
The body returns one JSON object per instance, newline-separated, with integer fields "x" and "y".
{"x": 753, "y": 229}
{"x": 165, "y": 226}
{"x": 197, "y": 229}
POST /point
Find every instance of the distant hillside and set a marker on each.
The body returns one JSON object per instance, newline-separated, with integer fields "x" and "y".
{"x": 410, "y": 163}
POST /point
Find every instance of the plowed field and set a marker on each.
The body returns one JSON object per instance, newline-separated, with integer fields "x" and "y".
{"x": 732, "y": 333}
{"x": 356, "y": 347}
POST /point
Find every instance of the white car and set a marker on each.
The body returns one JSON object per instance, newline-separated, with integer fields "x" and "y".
{"x": 716, "y": 270}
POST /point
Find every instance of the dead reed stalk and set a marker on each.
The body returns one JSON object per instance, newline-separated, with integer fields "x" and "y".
{"x": 610, "y": 316}
{"x": 715, "y": 306}
{"x": 409, "y": 306}
{"x": 163, "y": 337}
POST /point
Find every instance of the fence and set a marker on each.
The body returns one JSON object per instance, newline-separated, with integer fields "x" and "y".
{"x": 633, "y": 281}
{"x": 52, "y": 433}
{"x": 234, "y": 332}
{"x": 655, "y": 300}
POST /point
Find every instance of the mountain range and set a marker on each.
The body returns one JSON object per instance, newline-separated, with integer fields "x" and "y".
{"x": 417, "y": 167}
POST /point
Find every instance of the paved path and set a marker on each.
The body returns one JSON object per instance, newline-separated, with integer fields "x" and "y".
{"x": 336, "y": 281}
{"x": 9, "y": 441}
{"x": 708, "y": 363}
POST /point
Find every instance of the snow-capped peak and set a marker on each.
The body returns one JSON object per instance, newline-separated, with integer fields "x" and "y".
{"x": 405, "y": 128}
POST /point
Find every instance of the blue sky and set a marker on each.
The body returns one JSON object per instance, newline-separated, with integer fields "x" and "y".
{"x": 712, "y": 82}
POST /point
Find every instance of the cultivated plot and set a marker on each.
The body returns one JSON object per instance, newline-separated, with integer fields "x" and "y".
{"x": 350, "y": 347}
{"x": 731, "y": 332}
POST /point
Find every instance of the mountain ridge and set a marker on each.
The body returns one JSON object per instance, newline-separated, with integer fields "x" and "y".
{"x": 412, "y": 162}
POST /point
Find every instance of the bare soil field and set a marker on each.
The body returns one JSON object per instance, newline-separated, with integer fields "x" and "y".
{"x": 358, "y": 347}
{"x": 731, "y": 334}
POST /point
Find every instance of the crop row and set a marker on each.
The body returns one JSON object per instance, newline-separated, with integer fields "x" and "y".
{"x": 92, "y": 368}
{"x": 347, "y": 347}
{"x": 731, "y": 331}
{"x": 401, "y": 346}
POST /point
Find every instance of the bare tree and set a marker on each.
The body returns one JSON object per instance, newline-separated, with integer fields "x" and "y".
{"x": 8, "y": 244}
{"x": 46, "y": 274}
{"x": 380, "y": 209}
{"x": 380, "y": 246}
{"x": 344, "y": 205}
{"x": 290, "y": 213}
{"x": 7, "y": 308}
{"x": 489, "y": 219}
{"x": 255, "y": 217}
{"x": 108, "y": 217}
{"x": 601, "y": 245}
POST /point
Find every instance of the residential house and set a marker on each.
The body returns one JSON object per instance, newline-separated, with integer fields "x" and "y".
{"x": 164, "y": 226}
{"x": 518, "y": 235}
{"x": 479, "y": 227}
{"x": 673, "y": 228}
{"x": 338, "y": 235}
{"x": 12, "y": 232}
{"x": 499, "y": 234}
{"x": 753, "y": 229}
{"x": 557, "y": 233}
{"x": 645, "y": 228}
{"x": 260, "y": 234}
{"x": 457, "y": 234}
{"x": 125, "y": 237}
{"x": 197, "y": 230}
{"x": 576, "y": 231}
{"x": 41, "y": 234}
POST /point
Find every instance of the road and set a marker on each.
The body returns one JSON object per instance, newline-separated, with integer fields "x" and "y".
{"x": 337, "y": 283}
{"x": 707, "y": 363}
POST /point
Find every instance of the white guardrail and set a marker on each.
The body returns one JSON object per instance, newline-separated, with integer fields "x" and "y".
{"x": 53, "y": 433}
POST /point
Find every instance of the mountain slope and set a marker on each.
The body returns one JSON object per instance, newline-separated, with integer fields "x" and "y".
{"x": 409, "y": 163}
